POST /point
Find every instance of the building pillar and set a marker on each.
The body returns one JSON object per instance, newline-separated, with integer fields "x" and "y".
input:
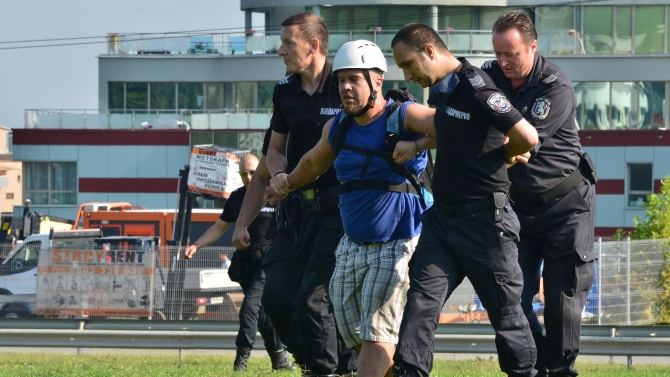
{"x": 432, "y": 17}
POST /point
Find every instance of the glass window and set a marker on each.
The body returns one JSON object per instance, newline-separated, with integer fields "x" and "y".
{"x": 137, "y": 96}
{"x": 624, "y": 110}
{"x": 554, "y": 18}
{"x": 214, "y": 96}
{"x": 649, "y": 21}
{"x": 554, "y": 35}
{"x": 598, "y": 29}
{"x": 640, "y": 184}
{"x": 456, "y": 18}
{"x": 198, "y": 138}
{"x": 652, "y": 103}
{"x": 51, "y": 183}
{"x": 190, "y": 95}
{"x": 115, "y": 100}
{"x": 162, "y": 95}
{"x": 596, "y": 96}
{"x": 366, "y": 18}
{"x": 623, "y": 42}
{"x": 579, "y": 89}
{"x": 265, "y": 90}
{"x": 400, "y": 16}
{"x": 245, "y": 95}
{"x": 225, "y": 139}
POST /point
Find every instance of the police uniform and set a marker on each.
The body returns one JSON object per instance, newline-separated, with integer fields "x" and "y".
{"x": 310, "y": 234}
{"x": 471, "y": 230}
{"x": 261, "y": 232}
{"x": 554, "y": 197}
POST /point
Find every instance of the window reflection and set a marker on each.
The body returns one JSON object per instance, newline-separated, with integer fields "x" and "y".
{"x": 596, "y": 97}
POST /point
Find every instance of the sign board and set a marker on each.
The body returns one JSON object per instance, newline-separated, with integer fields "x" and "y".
{"x": 214, "y": 170}
{"x": 95, "y": 282}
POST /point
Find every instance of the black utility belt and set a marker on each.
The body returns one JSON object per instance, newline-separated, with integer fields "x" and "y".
{"x": 494, "y": 205}
{"x": 584, "y": 170}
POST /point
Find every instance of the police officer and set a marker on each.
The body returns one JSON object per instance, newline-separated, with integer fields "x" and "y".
{"x": 299, "y": 265}
{"x": 470, "y": 231}
{"x": 553, "y": 194}
{"x": 250, "y": 276}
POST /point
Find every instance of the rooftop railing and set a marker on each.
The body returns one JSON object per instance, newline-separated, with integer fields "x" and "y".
{"x": 458, "y": 41}
{"x": 238, "y": 119}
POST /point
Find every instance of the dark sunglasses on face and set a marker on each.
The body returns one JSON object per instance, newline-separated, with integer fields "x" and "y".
{"x": 247, "y": 172}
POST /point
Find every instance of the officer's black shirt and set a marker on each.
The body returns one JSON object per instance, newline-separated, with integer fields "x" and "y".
{"x": 303, "y": 116}
{"x": 547, "y": 101}
{"x": 471, "y": 126}
{"x": 264, "y": 227}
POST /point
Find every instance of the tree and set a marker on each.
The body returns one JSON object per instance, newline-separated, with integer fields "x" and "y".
{"x": 657, "y": 225}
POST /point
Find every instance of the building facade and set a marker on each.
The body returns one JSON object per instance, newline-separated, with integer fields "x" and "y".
{"x": 220, "y": 85}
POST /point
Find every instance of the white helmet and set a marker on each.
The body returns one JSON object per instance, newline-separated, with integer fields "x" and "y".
{"x": 360, "y": 54}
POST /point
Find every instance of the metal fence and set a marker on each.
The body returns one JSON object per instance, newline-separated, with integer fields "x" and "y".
{"x": 625, "y": 290}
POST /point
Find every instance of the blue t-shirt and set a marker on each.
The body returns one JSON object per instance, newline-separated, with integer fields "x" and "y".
{"x": 376, "y": 215}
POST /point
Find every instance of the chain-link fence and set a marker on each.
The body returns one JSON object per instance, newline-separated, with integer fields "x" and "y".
{"x": 143, "y": 281}
{"x": 625, "y": 288}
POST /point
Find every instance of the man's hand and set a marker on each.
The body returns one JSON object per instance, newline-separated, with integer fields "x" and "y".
{"x": 272, "y": 197}
{"x": 241, "y": 239}
{"x": 522, "y": 159}
{"x": 404, "y": 151}
{"x": 188, "y": 253}
{"x": 279, "y": 184}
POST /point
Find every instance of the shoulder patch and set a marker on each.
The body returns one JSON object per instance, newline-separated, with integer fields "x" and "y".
{"x": 499, "y": 103}
{"x": 549, "y": 79}
{"x": 475, "y": 80}
{"x": 541, "y": 108}
{"x": 489, "y": 64}
{"x": 285, "y": 80}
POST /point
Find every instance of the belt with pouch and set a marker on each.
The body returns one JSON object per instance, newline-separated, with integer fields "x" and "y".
{"x": 461, "y": 210}
{"x": 585, "y": 170}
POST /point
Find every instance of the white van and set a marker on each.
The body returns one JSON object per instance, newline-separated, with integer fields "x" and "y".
{"x": 18, "y": 272}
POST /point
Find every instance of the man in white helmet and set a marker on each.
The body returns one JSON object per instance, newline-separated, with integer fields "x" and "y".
{"x": 380, "y": 209}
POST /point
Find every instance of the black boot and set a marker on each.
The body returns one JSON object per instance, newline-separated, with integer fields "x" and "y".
{"x": 280, "y": 360}
{"x": 241, "y": 359}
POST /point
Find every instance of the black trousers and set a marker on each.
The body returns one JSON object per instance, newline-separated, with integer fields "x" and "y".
{"x": 560, "y": 235}
{"x": 280, "y": 295}
{"x": 252, "y": 315}
{"x": 484, "y": 251}
{"x": 298, "y": 268}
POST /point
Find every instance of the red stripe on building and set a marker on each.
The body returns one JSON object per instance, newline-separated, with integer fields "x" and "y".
{"x": 140, "y": 185}
{"x": 607, "y": 232}
{"x": 624, "y": 138}
{"x": 610, "y": 187}
{"x": 33, "y": 136}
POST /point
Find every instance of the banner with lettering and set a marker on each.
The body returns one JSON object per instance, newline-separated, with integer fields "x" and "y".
{"x": 214, "y": 170}
{"x": 96, "y": 282}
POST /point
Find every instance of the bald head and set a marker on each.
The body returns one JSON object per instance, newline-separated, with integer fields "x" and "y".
{"x": 249, "y": 162}
{"x": 248, "y": 165}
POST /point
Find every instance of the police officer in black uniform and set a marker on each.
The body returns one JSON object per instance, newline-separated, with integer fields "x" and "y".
{"x": 553, "y": 194}
{"x": 299, "y": 265}
{"x": 470, "y": 231}
{"x": 246, "y": 269}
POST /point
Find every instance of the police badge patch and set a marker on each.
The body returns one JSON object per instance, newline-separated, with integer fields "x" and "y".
{"x": 541, "y": 108}
{"x": 499, "y": 103}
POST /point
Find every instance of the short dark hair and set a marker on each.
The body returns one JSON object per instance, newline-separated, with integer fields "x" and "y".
{"x": 419, "y": 35}
{"x": 310, "y": 26}
{"x": 518, "y": 20}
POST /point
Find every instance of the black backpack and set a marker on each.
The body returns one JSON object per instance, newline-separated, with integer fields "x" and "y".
{"x": 392, "y": 136}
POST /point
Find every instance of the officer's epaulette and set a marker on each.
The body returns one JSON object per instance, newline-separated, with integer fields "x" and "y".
{"x": 548, "y": 78}
{"x": 475, "y": 80}
{"x": 489, "y": 64}
{"x": 285, "y": 80}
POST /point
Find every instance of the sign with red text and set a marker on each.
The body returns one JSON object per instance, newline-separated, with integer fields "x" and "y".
{"x": 214, "y": 171}
{"x": 95, "y": 282}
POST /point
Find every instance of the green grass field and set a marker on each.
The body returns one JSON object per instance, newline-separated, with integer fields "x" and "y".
{"x": 13, "y": 364}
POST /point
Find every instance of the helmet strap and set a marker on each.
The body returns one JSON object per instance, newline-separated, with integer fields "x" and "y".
{"x": 373, "y": 95}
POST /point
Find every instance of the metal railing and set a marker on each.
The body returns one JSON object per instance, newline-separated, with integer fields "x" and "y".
{"x": 458, "y": 41}
{"x": 252, "y": 119}
{"x": 182, "y": 335}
